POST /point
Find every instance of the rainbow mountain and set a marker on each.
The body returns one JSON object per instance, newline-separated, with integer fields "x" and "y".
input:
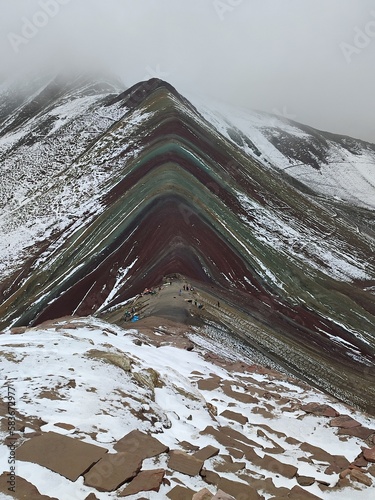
{"x": 106, "y": 193}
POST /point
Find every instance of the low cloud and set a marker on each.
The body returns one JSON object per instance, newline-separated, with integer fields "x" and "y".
{"x": 311, "y": 58}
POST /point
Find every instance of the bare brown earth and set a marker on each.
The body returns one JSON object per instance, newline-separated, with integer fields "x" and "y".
{"x": 169, "y": 303}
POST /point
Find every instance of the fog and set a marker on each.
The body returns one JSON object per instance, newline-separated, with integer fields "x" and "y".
{"x": 311, "y": 60}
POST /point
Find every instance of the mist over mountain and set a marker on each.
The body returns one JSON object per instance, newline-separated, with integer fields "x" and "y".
{"x": 311, "y": 61}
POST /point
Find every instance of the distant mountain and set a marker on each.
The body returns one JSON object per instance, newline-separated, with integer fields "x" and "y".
{"x": 333, "y": 165}
{"x": 105, "y": 192}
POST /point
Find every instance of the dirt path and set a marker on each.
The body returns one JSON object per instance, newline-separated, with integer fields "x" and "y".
{"x": 170, "y": 302}
{"x": 174, "y": 303}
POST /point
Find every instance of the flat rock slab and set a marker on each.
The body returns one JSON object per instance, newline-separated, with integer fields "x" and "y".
{"x": 344, "y": 421}
{"x": 141, "y": 445}
{"x": 338, "y": 464}
{"x": 298, "y": 493}
{"x": 360, "y": 461}
{"x": 229, "y": 467}
{"x": 229, "y": 437}
{"x": 360, "y": 432}
{"x": 239, "y": 436}
{"x": 181, "y": 493}
{"x": 182, "y": 462}
{"x": 188, "y": 446}
{"x": 91, "y": 497}
{"x": 232, "y": 415}
{"x": 369, "y": 454}
{"x": 317, "y": 453}
{"x": 23, "y": 489}
{"x": 243, "y": 397}
{"x": 206, "y": 453}
{"x": 67, "y": 427}
{"x": 18, "y": 330}
{"x": 210, "y": 477}
{"x": 320, "y": 410}
{"x": 358, "y": 476}
{"x": 273, "y": 431}
{"x": 112, "y": 471}
{"x": 275, "y": 449}
{"x": 233, "y": 488}
{"x": 62, "y": 454}
{"x": 221, "y": 495}
{"x": 204, "y": 494}
{"x": 273, "y": 465}
{"x": 148, "y": 480}
{"x": 265, "y": 485}
{"x": 305, "y": 480}
{"x": 238, "y": 490}
{"x": 209, "y": 384}
{"x": 258, "y": 410}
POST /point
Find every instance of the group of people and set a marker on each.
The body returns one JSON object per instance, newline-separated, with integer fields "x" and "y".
{"x": 129, "y": 315}
{"x": 186, "y": 288}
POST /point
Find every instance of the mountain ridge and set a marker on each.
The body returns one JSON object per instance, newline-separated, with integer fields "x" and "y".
{"x": 157, "y": 190}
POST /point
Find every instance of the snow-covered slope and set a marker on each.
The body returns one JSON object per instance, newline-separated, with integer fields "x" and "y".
{"x": 333, "y": 165}
{"x": 93, "y": 382}
{"x": 44, "y": 187}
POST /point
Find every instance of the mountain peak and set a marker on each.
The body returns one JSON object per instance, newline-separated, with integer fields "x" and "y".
{"x": 135, "y": 95}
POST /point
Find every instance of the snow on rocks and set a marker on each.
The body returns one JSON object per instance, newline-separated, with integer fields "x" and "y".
{"x": 320, "y": 410}
{"x": 157, "y": 421}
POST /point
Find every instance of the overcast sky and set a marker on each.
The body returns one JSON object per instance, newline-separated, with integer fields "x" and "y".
{"x": 312, "y": 60}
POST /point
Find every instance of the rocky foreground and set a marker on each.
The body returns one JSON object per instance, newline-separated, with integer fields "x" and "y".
{"x": 103, "y": 412}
